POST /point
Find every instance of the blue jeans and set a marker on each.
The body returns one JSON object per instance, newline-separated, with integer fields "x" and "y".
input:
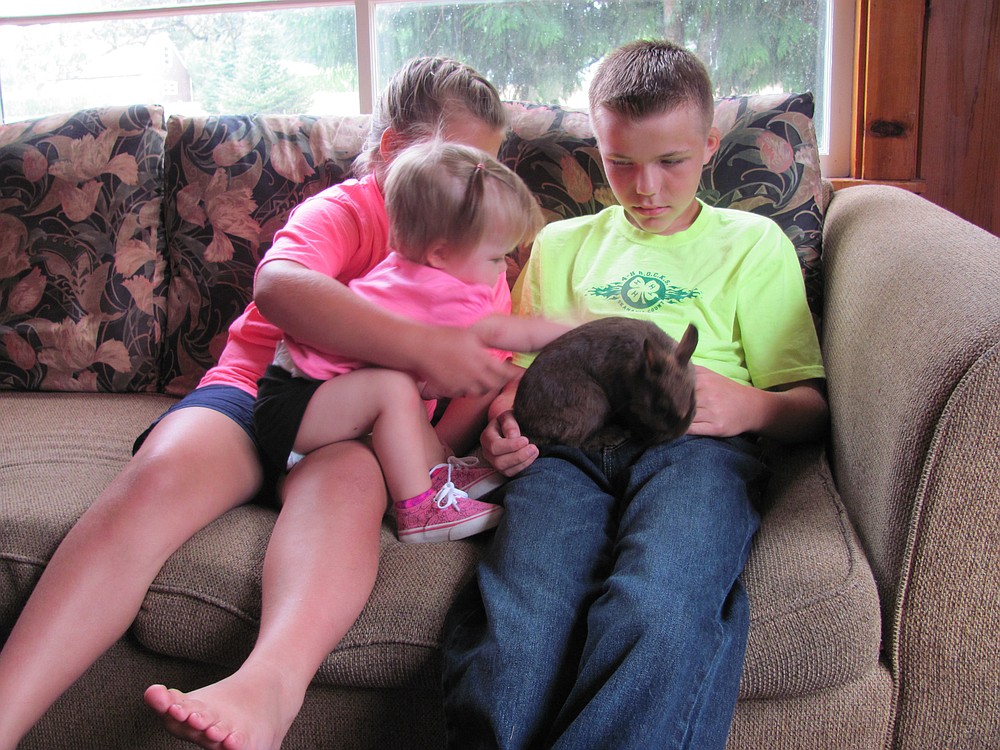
{"x": 608, "y": 611}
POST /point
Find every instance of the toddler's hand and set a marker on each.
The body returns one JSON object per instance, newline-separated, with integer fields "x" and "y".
{"x": 505, "y": 447}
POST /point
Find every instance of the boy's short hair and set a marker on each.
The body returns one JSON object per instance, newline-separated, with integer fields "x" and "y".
{"x": 649, "y": 77}
{"x": 420, "y": 95}
{"x": 440, "y": 193}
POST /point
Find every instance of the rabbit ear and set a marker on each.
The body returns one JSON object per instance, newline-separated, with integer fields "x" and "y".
{"x": 685, "y": 348}
{"x": 648, "y": 354}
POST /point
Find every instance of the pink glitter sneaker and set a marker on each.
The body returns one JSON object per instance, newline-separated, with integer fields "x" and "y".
{"x": 468, "y": 475}
{"x": 449, "y": 510}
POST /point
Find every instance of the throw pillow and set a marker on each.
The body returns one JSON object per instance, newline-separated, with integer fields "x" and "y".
{"x": 82, "y": 284}
{"x": 231, "y": 182}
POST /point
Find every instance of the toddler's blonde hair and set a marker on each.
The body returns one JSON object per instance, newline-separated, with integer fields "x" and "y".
{"x": 447, "y": 194}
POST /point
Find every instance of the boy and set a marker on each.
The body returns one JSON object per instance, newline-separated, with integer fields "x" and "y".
{"x": 608, "y": 612}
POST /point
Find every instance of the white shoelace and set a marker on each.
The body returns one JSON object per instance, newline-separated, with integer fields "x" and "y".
{"x": 449, "y": 494}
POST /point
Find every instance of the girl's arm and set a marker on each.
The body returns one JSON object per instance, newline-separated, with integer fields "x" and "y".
{"x": 797, "y": 412}
{"x": 503, "y": 445}
{"x": 317, "y": 310}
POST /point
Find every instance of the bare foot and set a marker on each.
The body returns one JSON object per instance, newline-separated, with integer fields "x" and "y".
{"x": 237, "y": 713}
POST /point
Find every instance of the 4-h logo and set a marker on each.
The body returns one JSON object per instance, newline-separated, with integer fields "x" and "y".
{"x": 644, "y": 291}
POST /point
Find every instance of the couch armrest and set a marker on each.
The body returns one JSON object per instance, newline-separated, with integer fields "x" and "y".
{"x": 910, "y": 335}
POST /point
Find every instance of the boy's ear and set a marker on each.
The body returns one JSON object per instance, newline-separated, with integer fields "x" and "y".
{"x": 712, "y": 144}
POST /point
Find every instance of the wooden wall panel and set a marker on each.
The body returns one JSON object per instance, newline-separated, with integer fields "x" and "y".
{"x": 960, "y": 145}
{"x": 890, "y": 57}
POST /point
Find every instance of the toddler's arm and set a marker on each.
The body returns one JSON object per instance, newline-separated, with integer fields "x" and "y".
{"x": 518, "y": 334}
{"x": 796, "y": 412}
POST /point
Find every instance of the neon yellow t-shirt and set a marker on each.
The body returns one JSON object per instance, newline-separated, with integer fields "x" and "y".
{"x": 733, "y": 274}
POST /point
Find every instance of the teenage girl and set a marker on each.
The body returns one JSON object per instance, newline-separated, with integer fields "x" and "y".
{"x": 201, "y": 459}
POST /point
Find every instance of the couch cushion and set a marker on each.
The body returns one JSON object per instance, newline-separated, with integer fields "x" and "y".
{"x": 205, "y": 604}
{"x": 814, "y": 606}
{"x": 767, "y": 162}
{"x": 814, "y": 610}
{"x": 82, "y": 285}
{"x": 231, "y": 182}
{"x": 59, "y": 451}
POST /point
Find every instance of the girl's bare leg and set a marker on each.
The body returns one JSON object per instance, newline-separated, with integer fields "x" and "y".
{"x": 195, "y": 465}
{"x": 318, "y": 572}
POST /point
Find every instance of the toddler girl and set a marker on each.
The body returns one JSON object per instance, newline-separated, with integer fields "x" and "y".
{"x": 454, "y": 214}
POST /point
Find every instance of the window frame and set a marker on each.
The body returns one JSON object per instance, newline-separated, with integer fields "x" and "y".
{"x": 840, "y": 116}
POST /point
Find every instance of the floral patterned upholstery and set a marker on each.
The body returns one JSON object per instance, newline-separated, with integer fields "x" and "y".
{"x": 232, "y": 182}
{"x": 103, "y": 288}
{"x": 767, "y": 162}
{"x": 82, "y": 284}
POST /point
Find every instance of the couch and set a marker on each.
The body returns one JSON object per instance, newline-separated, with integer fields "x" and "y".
{"x": 128, "y": 243}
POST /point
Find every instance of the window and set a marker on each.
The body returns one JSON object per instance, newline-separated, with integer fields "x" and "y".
{"x": 197, "y": 56}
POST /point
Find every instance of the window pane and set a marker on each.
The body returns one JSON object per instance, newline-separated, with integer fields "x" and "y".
{"x": 267, "y": 61}
{"x": 15, "y": 8}
{"x": 543, "y": 50}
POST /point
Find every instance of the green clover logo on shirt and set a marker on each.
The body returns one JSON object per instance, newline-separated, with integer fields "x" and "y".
{"x": 644, "y": 291}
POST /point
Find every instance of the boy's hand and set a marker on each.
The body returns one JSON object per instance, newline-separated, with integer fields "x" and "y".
{"x": 724, "y": 408}
{"x": 794, "y": 412}
{"x": 507, "y": 450}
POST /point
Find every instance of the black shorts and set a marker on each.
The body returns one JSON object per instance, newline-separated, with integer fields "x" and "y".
{"x": 281, "y": 404}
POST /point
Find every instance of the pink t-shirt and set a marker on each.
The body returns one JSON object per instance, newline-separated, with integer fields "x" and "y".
{"x": 415, "y": 291}
{"x": 341, "y": 232}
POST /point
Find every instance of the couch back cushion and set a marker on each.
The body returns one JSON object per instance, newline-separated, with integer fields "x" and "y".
{"x": 231, "y": 182}
{"x": 82, "y": 284}
{"x": 767, "y": 162}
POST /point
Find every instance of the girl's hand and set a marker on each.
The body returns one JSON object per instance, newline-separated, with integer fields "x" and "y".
{"x": 454, "y": 362}
{"x": 505, "y": 447}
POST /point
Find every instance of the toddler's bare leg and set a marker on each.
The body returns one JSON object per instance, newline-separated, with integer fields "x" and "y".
{"x": 319, "y": 570}
{"x": 387, "y": 404}
{"x": 195, "y": 465}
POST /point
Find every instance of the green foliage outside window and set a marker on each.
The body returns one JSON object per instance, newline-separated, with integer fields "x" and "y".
{"x": 541, "y": 50}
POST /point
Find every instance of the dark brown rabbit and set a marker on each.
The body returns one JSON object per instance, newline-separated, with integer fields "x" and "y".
{"x": 604, "y": 379}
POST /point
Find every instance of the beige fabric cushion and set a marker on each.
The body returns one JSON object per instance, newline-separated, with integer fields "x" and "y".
{"x": 814, "y": 612}
{"x": 57, "y": 453}
{"x": 889, "y": 386}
